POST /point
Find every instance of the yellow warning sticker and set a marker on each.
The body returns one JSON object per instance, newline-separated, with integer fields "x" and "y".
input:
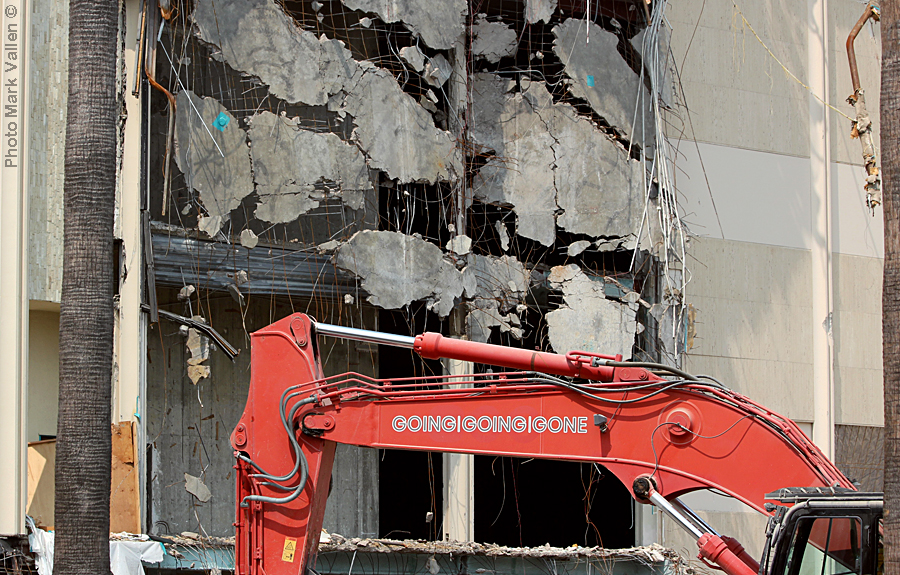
{"x": 290, "y": 545}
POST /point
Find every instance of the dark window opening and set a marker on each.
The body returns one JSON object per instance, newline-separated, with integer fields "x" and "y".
{"x": 532, "y": 502}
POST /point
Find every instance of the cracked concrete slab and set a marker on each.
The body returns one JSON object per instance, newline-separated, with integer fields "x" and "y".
{"x": 257, "y": 38}
{"x": 586, "y": 320}
{"x": 500, "y": 287}
{"x": 215, "y": 163}
{"x": 493, "y": 40}
{"x": 599, "y": 188}
{"x": 550, "y": 165}
{"x": 295, "y": 169}
{"x": 439, "y": 24}
{"x": 397, "y": 269}
{"x": 520, "y": 173}
{"x": 396, "y": 132}
{"x": 539, "y": 10}
{"x": 602, "y": 77}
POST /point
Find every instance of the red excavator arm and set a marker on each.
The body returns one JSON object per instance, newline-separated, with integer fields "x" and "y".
{"x": 661, "y": 437}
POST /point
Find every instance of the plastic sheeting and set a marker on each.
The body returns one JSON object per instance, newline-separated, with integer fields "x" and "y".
{"x": 126, "y": 557}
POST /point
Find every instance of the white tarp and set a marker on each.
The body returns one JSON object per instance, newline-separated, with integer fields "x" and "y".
{"x": 125, "y": 556}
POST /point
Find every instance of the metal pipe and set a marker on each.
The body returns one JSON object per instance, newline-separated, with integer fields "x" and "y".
{"x": 872, "y": 11}
{"x": 861, "y": 127}
{"x": 365, "y": 335}
{"x": 696, "y": 519}
{"x": 674, "y": 514}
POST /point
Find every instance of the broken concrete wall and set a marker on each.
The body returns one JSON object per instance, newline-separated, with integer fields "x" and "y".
{"x": 551, "y": 165}
{"x": 439, "y": 24}
{"x": 295, "y": 169}
{"x": 396, "y": 269}
{"x": 359, "y": 130}
{"x": 501, "y": 288}
{"x": 256, "y": 37}
{"x": 396, "y": 132}
{"x": 215, "y": 161}
{"x": 587, "y": 321}
{"x": 600, "y": 75}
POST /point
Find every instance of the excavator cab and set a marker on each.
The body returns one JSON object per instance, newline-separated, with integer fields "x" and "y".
{"x": 826, "y": 531}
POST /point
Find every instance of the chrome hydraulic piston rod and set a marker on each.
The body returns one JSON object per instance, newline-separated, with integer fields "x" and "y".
{"x": 365, "y": 335}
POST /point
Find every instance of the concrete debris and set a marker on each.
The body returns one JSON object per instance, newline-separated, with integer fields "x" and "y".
{"x": 186, "y": 292}
{"x": 210, "y": 225}
{"x": 493, "y": 40}
{"x": 249, "y": 239}
{"x": 196, "y": 487}
{"x": 576, "y": 248}
{"x": 539, "y": 10}
{"x": 241, "y": 277}
{"x": 427, "y": 104}
{"x": 215, "y": 163}
{"x": 587, "y": 320}
{"x": 414, "y": 57}
{"x": 501, "y": 286}
{"x": 349, "y": 299}
{"x": 439, "y": 24}
{"x": 504, "y": 235}
{"x": 602, "y": 77}
{"x": 328, "y": 246}
{"x": 365, "y": 22}
{"x": 256, "y": 37}
{"x": 295, "y": 169}
{"x": 460, "y": 245}
{"x": 397, "y": 134}
{"x": 432, "y": 566}
{"x": 198, "y": 346}
{"x": 616, "y": 243}
{"x": 437, "y": 71}
{"x": 197, "y": 372}
{"x": 651, "y": 554}
{"x": 397, "y": 269}
{"x": 540, "y": 147}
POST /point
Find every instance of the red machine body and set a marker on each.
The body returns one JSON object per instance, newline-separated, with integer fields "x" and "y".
{"x": 682, "y": 435}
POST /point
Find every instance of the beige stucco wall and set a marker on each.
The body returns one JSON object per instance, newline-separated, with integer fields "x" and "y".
{"x": 858, "y": 377}
{"x": 43, "y": 372}
{"x": 739, "y": 95}
{"x": 752, "y": 321}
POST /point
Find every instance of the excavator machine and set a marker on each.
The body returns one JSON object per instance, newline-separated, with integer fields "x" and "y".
{"x": 662, "y": 432}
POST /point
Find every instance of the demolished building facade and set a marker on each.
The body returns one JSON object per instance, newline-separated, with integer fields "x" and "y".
{"x": 499, "y": 171}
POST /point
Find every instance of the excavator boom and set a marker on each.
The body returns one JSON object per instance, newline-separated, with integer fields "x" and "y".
{"x": 661, "y": 437}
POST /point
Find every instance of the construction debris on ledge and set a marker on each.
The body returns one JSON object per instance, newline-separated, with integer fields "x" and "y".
{"x": 332, "y": 542}
{"x": 339, "y": 555}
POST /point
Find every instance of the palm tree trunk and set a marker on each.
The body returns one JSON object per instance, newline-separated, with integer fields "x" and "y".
{"x": 890, "y": 150}
{"x": 83, "y": 455}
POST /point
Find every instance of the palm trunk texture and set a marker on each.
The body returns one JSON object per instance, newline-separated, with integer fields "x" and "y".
{"x": 84, "y": 453}
{"x": 890, "y": 149}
